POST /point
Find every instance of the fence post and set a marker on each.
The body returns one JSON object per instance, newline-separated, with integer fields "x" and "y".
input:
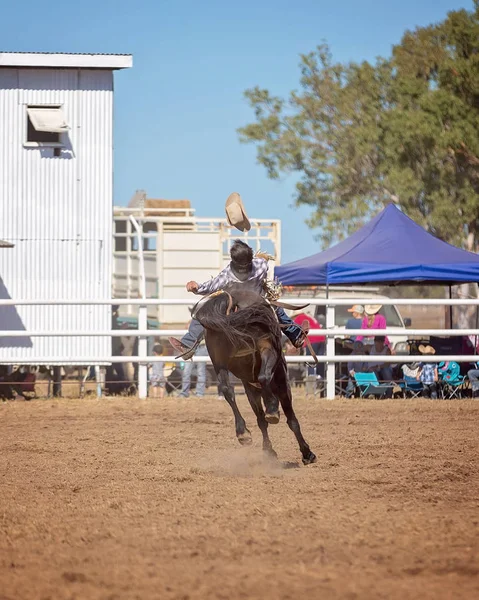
{"x": 330, "y": 350}
{"x": 142, "y": 316}
{"x": 142, "y": 353}
{"x": 57, "y": 381}
{"x": 98, "y": 379}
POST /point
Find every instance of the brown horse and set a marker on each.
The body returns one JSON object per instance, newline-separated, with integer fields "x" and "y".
{"x": 243, "y": 337}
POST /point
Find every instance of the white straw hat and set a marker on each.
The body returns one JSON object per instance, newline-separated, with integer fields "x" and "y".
{"x": 426, "y": 349}
{"x": 372, "y": 309}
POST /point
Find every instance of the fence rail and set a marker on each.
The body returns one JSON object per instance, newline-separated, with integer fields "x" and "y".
{"x": 336, "y": 332}
{"x": 192, "y": 300}
{"x": 330, "y": 333}
{"x": 289, "y": 359}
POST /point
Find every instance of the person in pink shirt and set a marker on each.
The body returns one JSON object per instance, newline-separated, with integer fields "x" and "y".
{"x": 372, "y": 320}
{"x": 317, "y": 341}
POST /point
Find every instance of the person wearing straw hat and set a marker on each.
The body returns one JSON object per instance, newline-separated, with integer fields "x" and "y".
{"x": 428, "y": 374}
{"x": 356, "y": 319}
{"x": 373, "y": 320}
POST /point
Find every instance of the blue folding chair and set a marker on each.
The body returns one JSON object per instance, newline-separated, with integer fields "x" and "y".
{"x": 453, "y": 383}
{"x": 411, "y": 387}
{"x": 368, "y": 385}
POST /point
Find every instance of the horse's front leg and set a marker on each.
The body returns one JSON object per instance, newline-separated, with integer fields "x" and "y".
{"x": 225, "y": 387}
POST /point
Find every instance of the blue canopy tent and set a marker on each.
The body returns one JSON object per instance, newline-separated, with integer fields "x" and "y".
{"x": 391, "y": 249}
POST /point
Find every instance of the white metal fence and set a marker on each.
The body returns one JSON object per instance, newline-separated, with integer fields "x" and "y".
{"x": 330, "y": 332}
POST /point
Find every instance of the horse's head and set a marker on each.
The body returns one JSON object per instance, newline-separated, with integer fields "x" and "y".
{"x": 244, "y": 294}
{"x": 218, "y": 303}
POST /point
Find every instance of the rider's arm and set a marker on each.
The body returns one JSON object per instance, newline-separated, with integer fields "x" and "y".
{"x": 213, "y": 285}
{"x": 261, "y": 268}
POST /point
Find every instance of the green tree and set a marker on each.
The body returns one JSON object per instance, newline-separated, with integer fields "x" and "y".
{"x": 404, "y": 129}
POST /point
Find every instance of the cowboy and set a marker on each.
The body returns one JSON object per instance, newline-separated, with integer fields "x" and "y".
{"x": 244, "y": 267}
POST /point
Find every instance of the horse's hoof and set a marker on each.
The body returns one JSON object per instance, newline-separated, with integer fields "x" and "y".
{"x": 270, "y": 453}
{"x": 245, "y": 439}
{"x": 311, "y": 458}
{"x": 272, "y": 418}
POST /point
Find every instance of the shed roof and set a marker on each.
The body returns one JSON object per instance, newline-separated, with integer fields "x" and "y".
{"x": 65, "y": 60}
{"x": 4, "y": 244}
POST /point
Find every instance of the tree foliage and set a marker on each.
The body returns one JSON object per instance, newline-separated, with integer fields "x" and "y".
{"x": 404, "y": 129}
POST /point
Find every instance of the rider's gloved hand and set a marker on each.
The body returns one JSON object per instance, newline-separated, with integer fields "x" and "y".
{"x": 192, "y": 286}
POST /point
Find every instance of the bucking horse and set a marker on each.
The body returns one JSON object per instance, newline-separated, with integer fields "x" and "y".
{"x": 243, "y": 336}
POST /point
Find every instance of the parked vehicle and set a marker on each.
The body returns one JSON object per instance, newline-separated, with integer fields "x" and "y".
{"x": 394, "y": 319}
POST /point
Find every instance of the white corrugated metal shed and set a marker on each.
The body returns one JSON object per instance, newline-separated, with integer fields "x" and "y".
{"x": 56, "y": 200}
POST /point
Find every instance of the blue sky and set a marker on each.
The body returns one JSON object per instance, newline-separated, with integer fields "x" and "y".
{"x": 177, "y": 110}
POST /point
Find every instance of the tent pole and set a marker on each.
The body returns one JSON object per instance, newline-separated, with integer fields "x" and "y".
{"x": 450, "y": 307}
{"x": 330, "y": 348}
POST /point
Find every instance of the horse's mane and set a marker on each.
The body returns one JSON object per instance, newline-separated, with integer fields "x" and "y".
{"x": 252, "y": 318}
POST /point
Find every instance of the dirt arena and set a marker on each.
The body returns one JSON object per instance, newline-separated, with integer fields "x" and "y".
{"x": 127, "y": 499}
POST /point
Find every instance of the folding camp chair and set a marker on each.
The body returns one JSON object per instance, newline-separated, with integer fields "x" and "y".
{"x": 369, "y": 386}
{"x": 411, "y": 387}
{"x": 452, "y": 382}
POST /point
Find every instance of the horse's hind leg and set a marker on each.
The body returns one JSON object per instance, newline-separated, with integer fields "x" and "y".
{"x": 225, "y": 387}
{"x": 268, "y": 362}
{"x": 254, "y": 397}
{"x": 281, "y": 386}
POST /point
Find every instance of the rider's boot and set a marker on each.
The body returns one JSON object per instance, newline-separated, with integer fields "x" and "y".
{"x": 185, "y": 352}
{"x": 190, "y": 341}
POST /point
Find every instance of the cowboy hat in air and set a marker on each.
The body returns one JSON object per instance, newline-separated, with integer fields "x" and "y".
{"x": 235, "y": 212}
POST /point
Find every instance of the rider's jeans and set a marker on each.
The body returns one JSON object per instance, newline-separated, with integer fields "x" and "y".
{"x": 293, "y": 331}
{"x": 194, "y": 331}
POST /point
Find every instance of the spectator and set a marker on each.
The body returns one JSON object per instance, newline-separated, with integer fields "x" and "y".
{"x": 157, "y": 374}
{"x": 115, "y": 373}
{"x": 383, "y": 370}
{"x": 428, "y": 374}
{"x": 317, "y": 341}
{"x": 295, "y": 370}
{"x": 356, "y": 320}
{"x": 410, "y": 370}
{"x": 473, "y": 375}
{"x": 173, "y": 381}
{"x": 372, "y": 320}
{"x": 200, "y": 374}
{"x": 355, "y": 367}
